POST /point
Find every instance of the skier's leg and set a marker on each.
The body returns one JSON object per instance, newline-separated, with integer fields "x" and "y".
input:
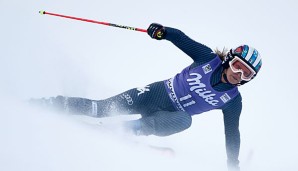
{"x": 128, "y": 102}
{"x": 144, "y": 100}
{"x": 66, "y": 104}
{"x": 161, "y": 123}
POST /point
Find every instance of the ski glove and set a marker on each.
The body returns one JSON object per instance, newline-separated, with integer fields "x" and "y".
{"x": 156, "y": 31}
{"x": 233, "y": 166}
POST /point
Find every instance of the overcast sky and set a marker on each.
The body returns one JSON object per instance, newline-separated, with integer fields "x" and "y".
{"x": 43, "y": 56}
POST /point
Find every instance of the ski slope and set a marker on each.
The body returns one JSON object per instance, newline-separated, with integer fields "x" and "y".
{"x": 35, "y": 139}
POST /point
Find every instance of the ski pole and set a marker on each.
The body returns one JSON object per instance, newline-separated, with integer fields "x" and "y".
{"x": 93, "y": 21}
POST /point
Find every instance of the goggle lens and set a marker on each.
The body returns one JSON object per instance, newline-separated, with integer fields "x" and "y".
{"x": 237, "y": 65}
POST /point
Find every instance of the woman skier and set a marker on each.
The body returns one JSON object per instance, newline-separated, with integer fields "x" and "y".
{"x": 167, "y": 106}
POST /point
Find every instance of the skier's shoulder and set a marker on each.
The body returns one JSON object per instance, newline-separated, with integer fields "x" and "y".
{"x": 205, "y": 59}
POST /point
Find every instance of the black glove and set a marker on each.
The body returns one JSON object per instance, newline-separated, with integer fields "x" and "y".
{"x": 156, "y": 31}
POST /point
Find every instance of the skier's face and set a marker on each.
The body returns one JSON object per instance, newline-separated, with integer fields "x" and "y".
{"x": 233, "y": 77}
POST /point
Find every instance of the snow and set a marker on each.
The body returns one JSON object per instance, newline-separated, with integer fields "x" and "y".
{"x": 35, "y": 139}
{"x": 43, "y": 56}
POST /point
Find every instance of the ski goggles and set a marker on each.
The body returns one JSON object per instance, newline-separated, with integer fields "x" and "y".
{"x": 238, "y": 65}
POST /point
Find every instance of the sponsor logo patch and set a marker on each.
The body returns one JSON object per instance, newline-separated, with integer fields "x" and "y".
{"x": 207, "y": 68}
{"x": 225, "y": 98}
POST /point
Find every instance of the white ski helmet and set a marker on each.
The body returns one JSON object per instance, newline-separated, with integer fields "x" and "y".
{"x": 246, "y": 53}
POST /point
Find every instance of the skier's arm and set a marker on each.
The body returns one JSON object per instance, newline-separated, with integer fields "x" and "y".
{"x": 197, "y": 51}
{"x": 232, "y": 113}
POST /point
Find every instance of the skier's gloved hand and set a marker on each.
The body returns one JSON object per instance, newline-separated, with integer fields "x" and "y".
{"x": 233, "y": 165}
{"x": 156, "y": 31}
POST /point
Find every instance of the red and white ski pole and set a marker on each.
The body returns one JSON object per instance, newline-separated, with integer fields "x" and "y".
{"x": 93, "y": 21}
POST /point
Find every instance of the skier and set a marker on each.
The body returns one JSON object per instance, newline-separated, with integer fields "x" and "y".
{"x": 167, "y": 107}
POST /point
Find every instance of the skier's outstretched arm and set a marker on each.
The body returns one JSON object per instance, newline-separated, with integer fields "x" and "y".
{"x": 197, "y": 51}
{"x": 231, "y": 122}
